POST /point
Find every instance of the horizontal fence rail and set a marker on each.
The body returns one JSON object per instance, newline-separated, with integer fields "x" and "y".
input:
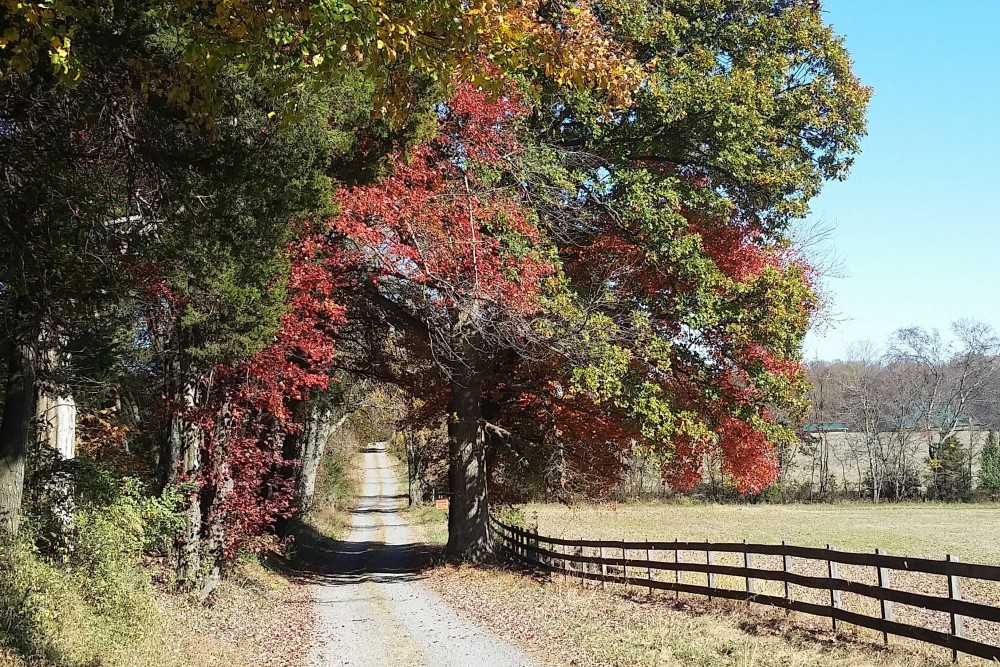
{"x": 612, "y": 564}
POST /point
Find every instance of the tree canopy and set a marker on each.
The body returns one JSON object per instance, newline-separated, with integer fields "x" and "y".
{"x": 561, "y": 229}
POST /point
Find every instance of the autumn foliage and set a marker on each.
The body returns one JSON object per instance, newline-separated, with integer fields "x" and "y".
{"x": 561, "y": 229}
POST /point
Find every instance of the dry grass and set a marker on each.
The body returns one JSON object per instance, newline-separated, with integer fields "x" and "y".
{"x": 921, "y": 529}
{"x": 256, "y": 618}
{"x": 587, "y": 627}
{"x": 928, "y": 530}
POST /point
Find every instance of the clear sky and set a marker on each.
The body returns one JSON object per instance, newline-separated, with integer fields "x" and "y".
{"x": 916, "y": 225}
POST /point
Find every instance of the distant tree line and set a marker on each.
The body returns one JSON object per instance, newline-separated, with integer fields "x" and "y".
{"x": 917, "y": 418}
{"x": 920, "y": 416}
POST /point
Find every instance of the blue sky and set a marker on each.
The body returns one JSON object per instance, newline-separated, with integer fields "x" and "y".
{"x": 916, "y": 225}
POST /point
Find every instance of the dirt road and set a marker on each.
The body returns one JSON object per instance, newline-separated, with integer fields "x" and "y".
{"x": 372, "y": 607}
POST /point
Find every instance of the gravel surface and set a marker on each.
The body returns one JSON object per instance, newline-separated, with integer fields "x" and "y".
{"x": 372, "y": 607}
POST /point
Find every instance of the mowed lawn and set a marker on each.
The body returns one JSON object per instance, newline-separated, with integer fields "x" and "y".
{"x": 970, "y": 532}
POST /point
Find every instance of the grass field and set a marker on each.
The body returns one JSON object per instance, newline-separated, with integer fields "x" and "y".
{"x": 928, "y": 530}
{"x": 920, "y": 529}
{"x": 619, "y": 627}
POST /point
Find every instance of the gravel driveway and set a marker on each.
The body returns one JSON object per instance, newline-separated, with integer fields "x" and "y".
{"x": 372, "y": 607}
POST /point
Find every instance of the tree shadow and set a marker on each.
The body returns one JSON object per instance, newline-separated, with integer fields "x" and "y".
{"x": 318, "y": 559}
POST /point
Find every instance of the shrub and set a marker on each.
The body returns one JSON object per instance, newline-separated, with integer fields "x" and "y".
{"x": 71, "y": 589}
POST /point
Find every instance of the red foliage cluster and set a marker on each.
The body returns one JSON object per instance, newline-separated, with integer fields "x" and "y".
{"x": 436, "y": 222}
{"x": 737, "y": 249}
{"x": 244, "y": 411}
{"x": 745, "y": 455}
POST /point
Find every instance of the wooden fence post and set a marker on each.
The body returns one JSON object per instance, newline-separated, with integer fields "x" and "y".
{"x": 886, "y": 605}
{"x": 625, "y": 567}
{"x": 709, "y": 562}
{"x": 748, "y": 564}
{"x": 677, "y": 573}
{"x": 649, "y": 568}
{"x": 604, "y": 569}
{"x": 786, "y": 567}
{"x": 833, "y": 569}
{"x": 957, "y": 620}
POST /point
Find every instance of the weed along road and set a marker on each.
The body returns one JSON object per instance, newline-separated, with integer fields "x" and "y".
{"x": 373, "y": 608}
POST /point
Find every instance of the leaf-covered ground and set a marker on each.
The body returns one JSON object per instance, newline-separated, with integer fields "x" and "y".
{"x": 587, "y": 627}
{"x": 575, "y": 626}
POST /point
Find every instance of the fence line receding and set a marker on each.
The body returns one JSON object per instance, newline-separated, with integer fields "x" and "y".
{"x": 611, "y": 563}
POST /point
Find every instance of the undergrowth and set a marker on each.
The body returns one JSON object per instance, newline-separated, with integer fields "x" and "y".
{"x": 85, "y": 586}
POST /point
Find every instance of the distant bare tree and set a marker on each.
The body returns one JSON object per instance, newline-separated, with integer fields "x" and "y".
{"x": 948, "y": 379}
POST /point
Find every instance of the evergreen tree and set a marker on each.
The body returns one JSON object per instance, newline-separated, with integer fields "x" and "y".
{"x": 950, "y": 480}
{"x": 989, "y": 472}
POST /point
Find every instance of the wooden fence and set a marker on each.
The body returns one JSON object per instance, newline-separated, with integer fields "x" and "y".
{"x": 616, "y": 562}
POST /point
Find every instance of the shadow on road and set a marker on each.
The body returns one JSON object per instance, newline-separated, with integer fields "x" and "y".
{"x": 315, "y": 558}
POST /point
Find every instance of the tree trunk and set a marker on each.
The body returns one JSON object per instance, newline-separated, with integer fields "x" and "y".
{"x": 416, "y": 469}
{"x": 316, "y": 431}
{"x": 55, "y": 422}
{"x": 213, "y": 508}
{"x": 15, "y": 431}
{"x": 184, "y": 444}
{"x": 468, "y": 515}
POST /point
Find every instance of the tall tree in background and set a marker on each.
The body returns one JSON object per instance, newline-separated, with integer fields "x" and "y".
{"x": 989, "y": 473}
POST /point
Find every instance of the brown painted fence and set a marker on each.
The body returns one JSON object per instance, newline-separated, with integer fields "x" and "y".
{"x": 616, "y": 562}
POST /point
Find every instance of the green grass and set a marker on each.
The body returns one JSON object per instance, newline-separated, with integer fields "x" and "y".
{"x": 918, "y": 529}
{"x": 337, "y": 487}
{"x": 431, "y": 524}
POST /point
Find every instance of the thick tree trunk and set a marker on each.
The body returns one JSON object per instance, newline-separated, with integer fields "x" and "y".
{"x": 55, "y": 409}
{"x": 15, "y": 430}
{"x": 468, "y": 514}
{"x": 317, "y": 428}
{"x": 55, "y": 422}
{"x": 55, "y": 419}
{"x": 213, "y": 509}
{"x": 184, "y": 444}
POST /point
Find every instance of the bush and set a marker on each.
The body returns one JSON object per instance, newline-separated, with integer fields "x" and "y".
{"x": 513, "y": 515}
{"x": 73, "y": 590}
{"x": 906, "y": 487}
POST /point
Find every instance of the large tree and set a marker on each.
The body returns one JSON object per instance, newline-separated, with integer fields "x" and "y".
{"x": 670, "y": 307}
{"x": 120, "y": 129}
{"x": 456, "y": 263}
